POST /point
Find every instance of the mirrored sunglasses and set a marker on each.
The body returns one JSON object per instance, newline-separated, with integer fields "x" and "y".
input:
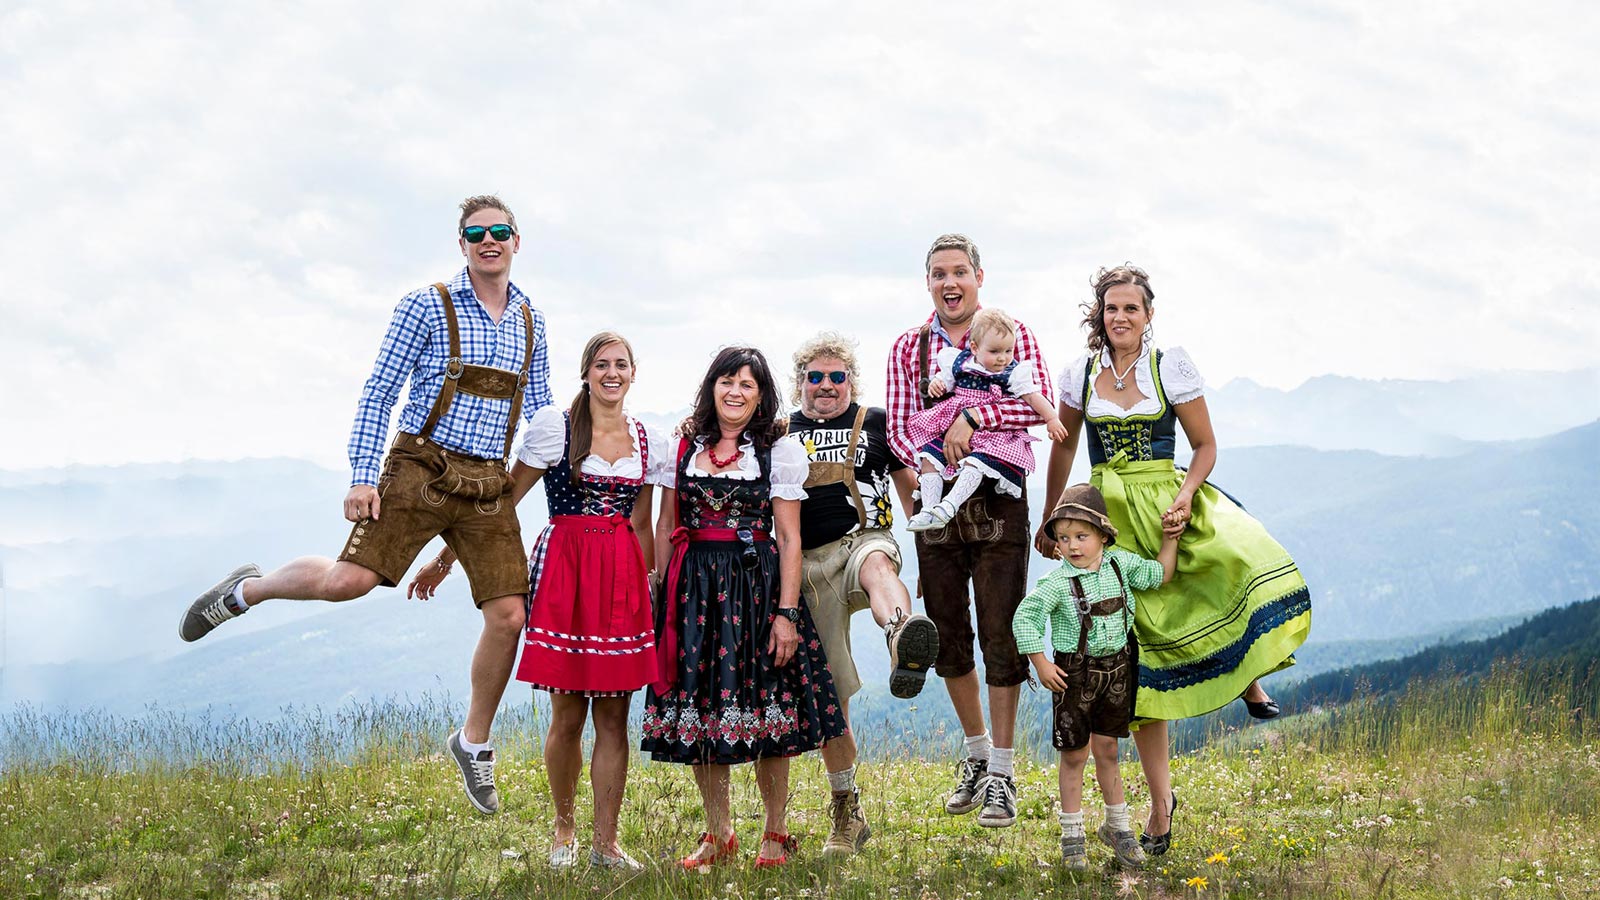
{"x": 835, "y": 377}
{"x": 473, "y": 234}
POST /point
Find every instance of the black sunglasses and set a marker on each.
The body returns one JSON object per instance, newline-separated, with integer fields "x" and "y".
{"x": 747, "y": 557}
{"x": 473, "y": 234}
{"x": 835, "y": 377}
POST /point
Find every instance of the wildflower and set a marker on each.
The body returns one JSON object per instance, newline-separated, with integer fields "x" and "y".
{"x": 1218, "y": 857}
{"x": 1198, "y": 882}
{"x": 1127, "y": 884}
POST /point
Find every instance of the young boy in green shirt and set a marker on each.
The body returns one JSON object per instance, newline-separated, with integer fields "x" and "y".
{"x": 1089, "y": 603}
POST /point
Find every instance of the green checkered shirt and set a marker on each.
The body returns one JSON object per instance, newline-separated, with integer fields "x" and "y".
{"x": 1052, "y": 599}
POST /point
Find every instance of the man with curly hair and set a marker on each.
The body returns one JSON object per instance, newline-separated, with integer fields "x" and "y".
{"x": 850, "y": 559}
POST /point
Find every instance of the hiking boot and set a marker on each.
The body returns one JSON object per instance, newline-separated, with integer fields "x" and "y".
{"x": 477, "y": 776}
{"x": 1074, "y": 855}
{"x": 212, "y": 608}
{"x": 913, "y": 646}
{"x": 850, "y": 829}
{"x": 1129, "y": 854}
{"x": 999, "y": 802}
{"x": 968, "y": 794}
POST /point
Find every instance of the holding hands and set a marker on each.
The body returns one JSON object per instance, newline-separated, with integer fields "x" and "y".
{"x": 1178, "y": 513}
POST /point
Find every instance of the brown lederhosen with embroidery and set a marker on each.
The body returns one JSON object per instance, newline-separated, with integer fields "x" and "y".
{"x": 1100, "y": 689}
{"x": 988, "y": 543}
{"x": 426, "y": 490}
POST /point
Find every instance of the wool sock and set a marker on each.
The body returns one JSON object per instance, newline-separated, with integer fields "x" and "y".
{"x": 1071, "y": 823}
{"x": 978, "y": 746}
{"x": 966, "y": 485}
{"x": 1117, "y": 817}
{"x": 235, "y": 599}
{"x": 1001, "y": 760}
{"x": 932, "y": 487}
{"x": 471, "y": 748}
{"x": 845, "y": 781}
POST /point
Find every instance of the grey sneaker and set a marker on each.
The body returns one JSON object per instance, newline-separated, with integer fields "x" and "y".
{"x": 565, "y": 856}
{"x": 913, "y": 646}
{"x": 968, "y": 794}
{"x": 1074, "y": 855}
{"x": 850, "y": 829}
{"x": 477, "y": 775}
{"x": 1129, "y": 854}
{"x": 999, "y": 802}
{"x": 623, "y": 863}
{"x": 212, "y": 608}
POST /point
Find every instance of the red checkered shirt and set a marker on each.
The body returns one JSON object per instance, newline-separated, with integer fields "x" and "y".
{"x": 1006, "y": 413}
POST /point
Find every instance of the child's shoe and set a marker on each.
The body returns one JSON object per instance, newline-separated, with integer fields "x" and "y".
{"x": 1129, "y": 854}
{"x": 936, "y": 516}
{"x": 1074, "y": 855}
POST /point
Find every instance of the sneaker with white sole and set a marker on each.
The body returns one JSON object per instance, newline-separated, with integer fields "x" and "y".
{"x": 913, "y": 647}
{"x": 623, "y": 863}
{"x": 212, "y": 609}
{"x": 968, "y": 794}
{"x": 1129, "y": 854}
{"x": 477, "y": 776}
{"x": 999, "y": 802}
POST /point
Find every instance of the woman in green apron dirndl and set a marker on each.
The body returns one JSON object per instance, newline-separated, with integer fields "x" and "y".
{"x": 1238, "y": 607}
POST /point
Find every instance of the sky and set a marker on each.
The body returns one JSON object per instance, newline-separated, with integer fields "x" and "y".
{"x": 211, "y": 209}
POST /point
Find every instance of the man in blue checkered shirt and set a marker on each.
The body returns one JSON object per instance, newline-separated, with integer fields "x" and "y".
{"x": 474, "y": 352}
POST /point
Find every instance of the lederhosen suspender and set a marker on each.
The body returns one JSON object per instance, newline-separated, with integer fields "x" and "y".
{"x": 923, "y": 376}
{"x": 480, "y": 381}
{"x": 1100, "y": 607}
{"x": 822, "y": 473}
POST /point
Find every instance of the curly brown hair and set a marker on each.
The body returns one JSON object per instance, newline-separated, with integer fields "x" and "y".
{"x": 1094, "y": 314}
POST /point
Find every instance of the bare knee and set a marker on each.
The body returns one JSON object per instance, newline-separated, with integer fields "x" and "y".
{"x": 566, "y": 720}
{"x": 1104, "y": 749}
{"x": 610, "y": 718}
{"x": 504, "y": 616}
{"x": 1073, "y": 760}
{"x": 348, "y": 582}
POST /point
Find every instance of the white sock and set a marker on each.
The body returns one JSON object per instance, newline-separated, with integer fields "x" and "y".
{"x": 967, "y": 483}
{"x": 471, "y": 748}
{"x": 1001, "y": 760}
{"x": 932, "y": 486}
{"x": 1117, "y": 817}
{"x": 235, "y": 601}
{"x": 978, "y": 746}
{"x": 842, "y": 781}
{"x": 1072, "y": 823}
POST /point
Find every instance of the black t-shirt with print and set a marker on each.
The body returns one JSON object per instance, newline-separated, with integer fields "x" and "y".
{"x": 828, "y": 512}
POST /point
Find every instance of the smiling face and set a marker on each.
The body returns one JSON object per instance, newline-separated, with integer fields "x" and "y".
{"x": 825, "y": 400}
{"x": 489, "y": 258}
{"x": 736, "y": 397}
{"x": 1126, "y": 316}
{"x": 1079, "y": 543}
{"x": 610, "y": 372}
{"x": 953, "y": 282}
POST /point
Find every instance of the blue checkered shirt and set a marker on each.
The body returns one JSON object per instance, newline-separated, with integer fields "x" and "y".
{"x": 417, "y": 345}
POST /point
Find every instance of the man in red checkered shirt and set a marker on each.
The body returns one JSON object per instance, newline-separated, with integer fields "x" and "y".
{"x": 986, "y": 544}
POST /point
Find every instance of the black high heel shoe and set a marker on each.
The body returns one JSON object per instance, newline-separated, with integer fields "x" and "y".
{"x": 1159, "y": 844}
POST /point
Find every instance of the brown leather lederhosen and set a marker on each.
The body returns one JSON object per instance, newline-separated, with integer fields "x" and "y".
{"x": 1101, "y": 690}
{"x": 460, "y": 475}
{"x": 823, "y": 473}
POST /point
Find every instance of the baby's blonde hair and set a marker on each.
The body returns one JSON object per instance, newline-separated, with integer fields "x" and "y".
{"x": 990, "y": 320}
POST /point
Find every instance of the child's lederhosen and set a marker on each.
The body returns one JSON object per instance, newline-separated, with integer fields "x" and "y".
{"x": 1100, "y": 689}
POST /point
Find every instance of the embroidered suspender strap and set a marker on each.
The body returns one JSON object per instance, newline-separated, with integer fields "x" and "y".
{"x": 1082, "y": 607}
{"x": 1123, "y": 584}
{"x": 453, "y": 366}
{"x": 644, "y": 450}
{"x": 522, "y": 378}
{"x": 923, "y": 378}
{"x": 850, "y": 467}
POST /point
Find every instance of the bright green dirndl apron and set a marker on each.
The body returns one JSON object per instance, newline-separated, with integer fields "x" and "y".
{"x": 1237, "y": 607}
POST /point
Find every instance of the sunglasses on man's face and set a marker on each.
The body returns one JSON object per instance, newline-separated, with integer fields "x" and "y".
{"x": 473, "y": 234}
{"x": 835, "y": 377}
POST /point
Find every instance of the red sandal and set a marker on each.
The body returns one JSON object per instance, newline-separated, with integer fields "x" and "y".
{"x": 724, "y": 852}
{"x": 790, "y": 845}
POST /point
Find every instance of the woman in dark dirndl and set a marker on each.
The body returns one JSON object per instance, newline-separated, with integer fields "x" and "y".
{"x": 743, "y": 677}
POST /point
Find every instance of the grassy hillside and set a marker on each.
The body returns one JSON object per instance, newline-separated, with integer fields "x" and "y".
{"x": 1459, "y": 789}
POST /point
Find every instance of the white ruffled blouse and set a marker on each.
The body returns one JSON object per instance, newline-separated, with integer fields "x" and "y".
{"x": 545, "y": 442}
{"x": 1179, "y": 377}
{"x": 1022, "y": 381}
{"x": 790, "y": 465}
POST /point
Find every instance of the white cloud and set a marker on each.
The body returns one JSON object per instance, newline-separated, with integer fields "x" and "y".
{"x": 211, "y": 210}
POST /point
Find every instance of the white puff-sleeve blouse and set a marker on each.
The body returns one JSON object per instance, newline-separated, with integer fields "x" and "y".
{"x": 1179, "y": 377}
{"x": 544, "y": 443}
{"x": 790, "y": 465}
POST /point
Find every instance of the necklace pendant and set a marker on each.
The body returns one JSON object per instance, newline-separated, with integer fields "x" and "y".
{"x": 1119, "y": 385}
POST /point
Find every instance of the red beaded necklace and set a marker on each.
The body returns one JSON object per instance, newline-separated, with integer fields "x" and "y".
{"x": 718, "y": 463}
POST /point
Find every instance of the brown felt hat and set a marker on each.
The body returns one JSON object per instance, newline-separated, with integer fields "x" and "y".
{"x": 1084, "y": 503}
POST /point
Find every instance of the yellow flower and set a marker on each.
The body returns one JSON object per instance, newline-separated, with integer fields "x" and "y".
{"x": 1198, "y": 882}
{"x": 1218, "y": 857}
